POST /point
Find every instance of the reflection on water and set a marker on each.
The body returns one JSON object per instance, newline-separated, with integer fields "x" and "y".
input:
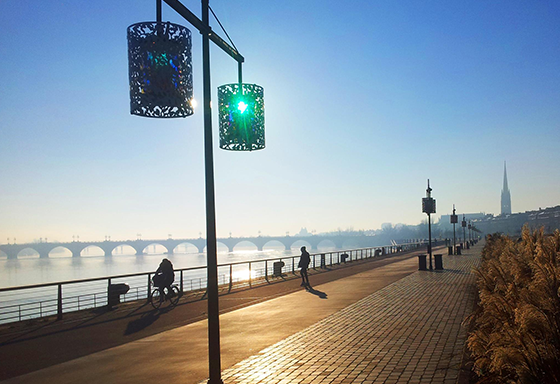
{"x": 33, "y": 270}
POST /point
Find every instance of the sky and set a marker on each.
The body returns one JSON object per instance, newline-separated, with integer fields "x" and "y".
{"x": 364, "y": 101}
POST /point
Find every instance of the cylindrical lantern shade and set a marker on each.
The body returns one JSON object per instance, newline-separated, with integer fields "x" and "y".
{"x": 160, "y": 69}
{"x": 241, "y": 117}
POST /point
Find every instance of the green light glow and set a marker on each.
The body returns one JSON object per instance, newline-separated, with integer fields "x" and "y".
{"x": 242, "y": 106}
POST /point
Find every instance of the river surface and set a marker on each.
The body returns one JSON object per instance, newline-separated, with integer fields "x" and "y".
{"x": 62, "y": 267}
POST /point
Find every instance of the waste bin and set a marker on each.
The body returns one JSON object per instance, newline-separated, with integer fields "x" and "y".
{"x": 449, "y": 250}
{"x": 343, "y": 257}
{"x": 458, "y": 250}
{"x": 277, "y": 268}
{"x": 438, "y": 261}
{"x": 115, "y": 290}
{"x": 323, "y": 262}
{"x": 422, "y": 263}
{"x": 468, "y": 247}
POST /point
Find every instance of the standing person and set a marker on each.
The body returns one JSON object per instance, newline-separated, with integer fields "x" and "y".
{"x": 304, "y": 260}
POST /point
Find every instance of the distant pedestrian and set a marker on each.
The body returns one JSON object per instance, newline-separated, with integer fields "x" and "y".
{"x": 304, "y": 264}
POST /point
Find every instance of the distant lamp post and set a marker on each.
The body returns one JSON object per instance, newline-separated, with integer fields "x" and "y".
{"x": 429, "y": 207}
{"x": 241, "y": 112}
{"x": 454, "y": 221}
{"x": 160, "y": 70}
{"x": 464, "y": 225}
{"x": 470, "y": 230}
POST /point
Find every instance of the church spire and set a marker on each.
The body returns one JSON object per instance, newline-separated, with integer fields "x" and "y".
{"x": 506, "y": 196}
{"x": 505, "y": 187}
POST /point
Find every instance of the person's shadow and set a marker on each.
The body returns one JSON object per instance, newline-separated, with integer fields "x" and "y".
{"x": 321, "y": 295}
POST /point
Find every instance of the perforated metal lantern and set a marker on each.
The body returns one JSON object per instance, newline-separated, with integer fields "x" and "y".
{"x": 160, "y": 70}
{"x": 241, "y": 117}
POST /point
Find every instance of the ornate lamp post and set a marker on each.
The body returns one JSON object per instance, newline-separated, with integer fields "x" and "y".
{"x": 454, "y": 221}
{"x": 161, "y": 86}
{"x": 429, "y": 207}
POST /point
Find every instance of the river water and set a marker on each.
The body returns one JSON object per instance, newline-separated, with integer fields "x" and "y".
{"x": 62, "y": 266}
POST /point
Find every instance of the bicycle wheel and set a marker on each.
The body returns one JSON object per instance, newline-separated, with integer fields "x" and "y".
{"x": 175, "y": 294}
{"x": 157, "y": 298}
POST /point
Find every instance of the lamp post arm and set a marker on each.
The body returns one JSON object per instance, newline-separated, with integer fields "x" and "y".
{"x": 198, "y": 24}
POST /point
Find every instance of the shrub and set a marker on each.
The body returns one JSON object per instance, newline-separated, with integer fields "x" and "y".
{"x": 515, "y": 335}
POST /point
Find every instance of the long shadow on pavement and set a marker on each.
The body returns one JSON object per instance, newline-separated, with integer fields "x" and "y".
{"x": 322, "y": 295}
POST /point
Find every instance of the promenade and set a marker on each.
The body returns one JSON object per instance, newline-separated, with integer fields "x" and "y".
{"x": 385, "y": 323}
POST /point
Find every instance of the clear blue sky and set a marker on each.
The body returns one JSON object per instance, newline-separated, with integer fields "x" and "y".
{"x": 364, "y": 101}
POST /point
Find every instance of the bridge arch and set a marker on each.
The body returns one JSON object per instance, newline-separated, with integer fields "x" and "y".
{"x": 246, "y": 244}
{"x": 3, "y": 255}
{"x": 92, "y": 250}
{"x": 28, "y": 252}
{"x": 300, "y": 243}
{"x": 156, "y": 248}
{"x": 187, "y": 248}
{"x": 60, "y": 252}
{"x": 326, "y": 245}
{"x": 221, "y": 248}
{"x": 273, "y": 245}
{"x": 123, "y": 249}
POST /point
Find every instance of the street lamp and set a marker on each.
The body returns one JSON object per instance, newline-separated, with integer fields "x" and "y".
{"x": 429, "y": 207}
{"x": 454, "y": 221}
{"x": 464, "y": 225}
{"x": 241, "y": 121}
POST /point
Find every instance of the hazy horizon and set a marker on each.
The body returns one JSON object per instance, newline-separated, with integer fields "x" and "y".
{"x": 363, "y": 103}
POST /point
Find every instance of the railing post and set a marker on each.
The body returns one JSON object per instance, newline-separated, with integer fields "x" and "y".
{"x": 313, "y": 261}
{"x": 59, "y": 303}
{"x": 109, "y": 293}
{"x": 266, "y": 270}
{"x": 230, "y": 276}
{"x": 149, "y": 294}
{"x": 250, "y": 274}
{"x": 182, "y": 281}
{"x": 293, "y": 265}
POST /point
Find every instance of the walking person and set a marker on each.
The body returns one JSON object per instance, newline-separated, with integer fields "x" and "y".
{"x": 304, "y": 260}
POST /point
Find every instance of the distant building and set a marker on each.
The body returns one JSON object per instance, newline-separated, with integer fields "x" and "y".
{"x": 506, "y": 197}
{"x": 445, "y": 220}
{"x": 549, "y": 218}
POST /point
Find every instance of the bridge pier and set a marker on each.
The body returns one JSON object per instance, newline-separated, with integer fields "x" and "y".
{"x": 76, "y": 253}
{"x": 11, "y": 255}
{"x": 43, "y": 255}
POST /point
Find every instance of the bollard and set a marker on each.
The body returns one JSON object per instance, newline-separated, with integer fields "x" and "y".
{"x": 422, "y": 263}
{"x": 439, "y": 262}
{"x": 458, "y": 250}
{"x": 449, "y": 250}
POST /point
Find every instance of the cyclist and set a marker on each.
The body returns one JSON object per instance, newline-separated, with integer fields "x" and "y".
{"x": 165, "y": 276}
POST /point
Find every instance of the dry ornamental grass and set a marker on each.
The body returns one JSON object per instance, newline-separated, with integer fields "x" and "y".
{"x": 516, "y": 328}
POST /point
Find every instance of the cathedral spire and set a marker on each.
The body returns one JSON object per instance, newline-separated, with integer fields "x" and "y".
{"x": 505, "y": 187}
{"x": 506, "y": 196}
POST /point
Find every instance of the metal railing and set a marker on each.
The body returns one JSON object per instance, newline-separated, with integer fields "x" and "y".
{"x": 41, "y": 300}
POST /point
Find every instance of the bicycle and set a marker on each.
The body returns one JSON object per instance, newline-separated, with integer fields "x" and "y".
{"x": 160, "y": 295}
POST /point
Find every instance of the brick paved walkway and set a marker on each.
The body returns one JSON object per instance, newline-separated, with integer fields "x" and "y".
{"x": 408, "y": 332}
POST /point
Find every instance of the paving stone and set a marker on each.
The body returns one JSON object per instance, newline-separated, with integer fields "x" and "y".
{"x": 407, "y": 332}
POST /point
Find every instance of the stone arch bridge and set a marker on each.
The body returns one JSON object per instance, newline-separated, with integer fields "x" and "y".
{"x": 76, "y": 247}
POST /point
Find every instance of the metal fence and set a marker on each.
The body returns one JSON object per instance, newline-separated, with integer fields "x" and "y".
{"x": 41, "y": 300}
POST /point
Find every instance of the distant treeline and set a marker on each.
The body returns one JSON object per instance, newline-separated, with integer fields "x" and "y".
{"x": 515, "y": 331}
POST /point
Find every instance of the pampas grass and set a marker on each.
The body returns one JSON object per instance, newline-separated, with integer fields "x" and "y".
{"x": 515, "y": 335}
